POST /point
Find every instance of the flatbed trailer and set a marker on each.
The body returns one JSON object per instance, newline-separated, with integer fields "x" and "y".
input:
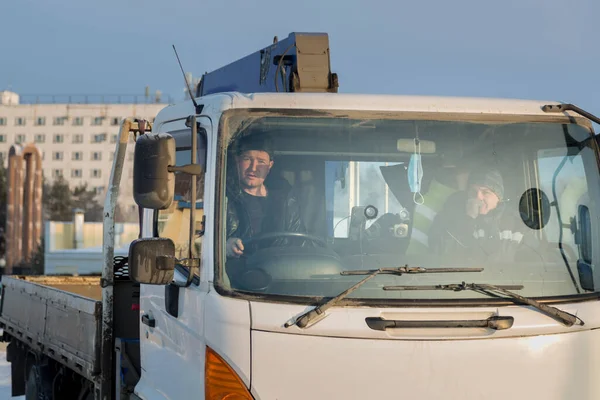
{"x": 56, "y": 322}
{"x": 62, "y": 318}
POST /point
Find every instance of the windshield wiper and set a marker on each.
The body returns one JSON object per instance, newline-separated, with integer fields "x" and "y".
{"x": 304, "y": 319}
{"x": 561, "y": 316}
{"x": 409, "y": 270}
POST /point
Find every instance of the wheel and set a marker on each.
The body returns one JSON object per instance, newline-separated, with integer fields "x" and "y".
{"x": 39, "y": 383}
{"x": 87, "y": 394}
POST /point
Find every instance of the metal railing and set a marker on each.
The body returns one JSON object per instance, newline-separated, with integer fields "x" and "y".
{"x": 93, "y": 99}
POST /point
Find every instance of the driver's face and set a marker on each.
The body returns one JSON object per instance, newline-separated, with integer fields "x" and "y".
{"x": 253, "y": 168}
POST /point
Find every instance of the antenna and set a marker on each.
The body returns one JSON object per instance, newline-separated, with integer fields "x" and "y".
{"x": 197, "y": 107}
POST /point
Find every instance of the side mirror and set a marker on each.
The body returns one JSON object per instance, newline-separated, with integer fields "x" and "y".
{"x": 153, "y": 183}
{"x": 152, "y": 261}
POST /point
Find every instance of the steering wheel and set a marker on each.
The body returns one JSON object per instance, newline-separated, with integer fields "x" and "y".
{"x": 273, "y": 235}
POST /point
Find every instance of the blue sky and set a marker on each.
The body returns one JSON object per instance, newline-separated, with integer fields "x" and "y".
{"x": 544, "y": 49}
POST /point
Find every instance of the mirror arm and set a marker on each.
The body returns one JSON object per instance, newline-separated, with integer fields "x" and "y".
{"x": 556, "y": 108}
{"x": 191, "y": 169}
{"x": 192, "y": 233}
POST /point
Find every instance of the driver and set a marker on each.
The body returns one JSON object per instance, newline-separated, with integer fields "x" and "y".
{"x": 257, "y": 205}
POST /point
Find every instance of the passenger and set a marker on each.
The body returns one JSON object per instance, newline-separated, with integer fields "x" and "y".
{"x": 257, "y": 205}
{"x": 446, "y": 181}
{"x": 474, "y": 223}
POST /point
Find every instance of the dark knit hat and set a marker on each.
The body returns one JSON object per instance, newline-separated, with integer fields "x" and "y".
{"x": 489, "y": 178}
{"x": 254, "y": 142}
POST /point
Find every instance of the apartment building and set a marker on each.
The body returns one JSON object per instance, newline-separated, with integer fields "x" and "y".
{"x": 76, "y": 138}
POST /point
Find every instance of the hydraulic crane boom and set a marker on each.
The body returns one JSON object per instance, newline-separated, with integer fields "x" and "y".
{"x": 299, "y": 63}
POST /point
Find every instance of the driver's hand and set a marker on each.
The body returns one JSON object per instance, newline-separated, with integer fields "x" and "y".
{"x": 235, "y": 247}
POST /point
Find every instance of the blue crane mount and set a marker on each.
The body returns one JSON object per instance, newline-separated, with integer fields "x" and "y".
{"x": 299, "y": 63}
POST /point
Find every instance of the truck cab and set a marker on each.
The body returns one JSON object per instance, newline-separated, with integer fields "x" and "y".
{"x": 373, "y": 179}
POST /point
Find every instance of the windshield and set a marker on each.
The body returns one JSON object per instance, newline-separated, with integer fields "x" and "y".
{"x": 308, "y": 198}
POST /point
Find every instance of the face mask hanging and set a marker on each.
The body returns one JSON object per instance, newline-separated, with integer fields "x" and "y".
{"x": 415, "y": 173}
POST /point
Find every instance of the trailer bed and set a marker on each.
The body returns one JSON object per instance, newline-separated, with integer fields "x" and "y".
{"x": 59, "y": 316}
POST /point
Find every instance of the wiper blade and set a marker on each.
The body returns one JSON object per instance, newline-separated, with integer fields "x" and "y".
{"x": 561, "y": 316}
{"x": 456, "y": 287}
{"x": 410, "y": 270}
{"x": 304, "y": 319}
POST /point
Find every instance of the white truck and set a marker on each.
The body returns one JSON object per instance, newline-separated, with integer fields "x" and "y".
{"x": 363, "y": 301}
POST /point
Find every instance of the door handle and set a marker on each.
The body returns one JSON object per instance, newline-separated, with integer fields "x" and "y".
{"x": 147, "y": 320}
{"x": 494, "y": 322}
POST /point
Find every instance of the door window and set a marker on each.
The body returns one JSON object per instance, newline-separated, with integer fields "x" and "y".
{"x": 174, "y": 222}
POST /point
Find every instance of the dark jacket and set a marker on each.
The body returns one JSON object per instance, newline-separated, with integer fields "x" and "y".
{"x": 493, "y": 236}
{"x": 282, "y": 213}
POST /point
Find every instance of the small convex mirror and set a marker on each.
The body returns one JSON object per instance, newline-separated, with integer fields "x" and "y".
{"x": 153, "y": 184}
{"x": 535, "y": 208}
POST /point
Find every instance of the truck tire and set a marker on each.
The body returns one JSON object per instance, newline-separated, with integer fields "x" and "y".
{"x": 39, "y": 384}
{"x": 87, "y": 393}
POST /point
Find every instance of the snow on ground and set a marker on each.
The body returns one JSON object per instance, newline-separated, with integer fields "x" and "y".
{"x": 5, "y": 376}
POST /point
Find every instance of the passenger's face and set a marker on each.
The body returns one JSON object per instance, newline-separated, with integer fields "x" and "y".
{"x": 488, "y": 200}
{"x": 253, "y": 167}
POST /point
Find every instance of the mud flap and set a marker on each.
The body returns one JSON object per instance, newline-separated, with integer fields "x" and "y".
{"x": 16, "y": 358}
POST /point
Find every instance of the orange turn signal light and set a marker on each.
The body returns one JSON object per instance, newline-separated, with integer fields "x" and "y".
{"x": 221, "y": 381}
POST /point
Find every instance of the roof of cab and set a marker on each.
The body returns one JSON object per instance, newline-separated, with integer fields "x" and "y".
{"x": 366, "y": 102}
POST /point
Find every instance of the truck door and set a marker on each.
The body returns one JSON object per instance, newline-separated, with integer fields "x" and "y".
{"x": 171, "y": 341}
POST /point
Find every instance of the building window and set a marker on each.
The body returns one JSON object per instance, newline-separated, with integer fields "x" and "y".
{"x": 77, "y": 156}
{"x": 99, "y": 138}
{"x": 20, "y": 139}
{"x": 57, "y": 173}
{"x": 78, "y": 138}
{"x": 59, "y": 120}
{"x": 2, "y": 121}
{"x": 96, "y": 156}
{"x": 40, "y": 138}
{"x": 59, "y": 138}
{"x": 96, "y": 173}
{"x": 76, "y": 173}
{"x": 113, "y": 139}
{"x": 111, "y": 156}
{"x": 40, "y": 121}
{"x": 43, "y": 155}
{"x": 2, "y": 138}
{"x": 20, "y": 121}
{"x": 57, "y": 155}
{"x": 99, "y": 189}
{"x": 115, "y": 121}
{"x": 78, "y": 121}
{"x": 97, "y": 121}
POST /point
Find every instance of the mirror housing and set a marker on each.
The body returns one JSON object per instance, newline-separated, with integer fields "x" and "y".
{"x": 153, "y": 183}
{"x": 152, "y": 261}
